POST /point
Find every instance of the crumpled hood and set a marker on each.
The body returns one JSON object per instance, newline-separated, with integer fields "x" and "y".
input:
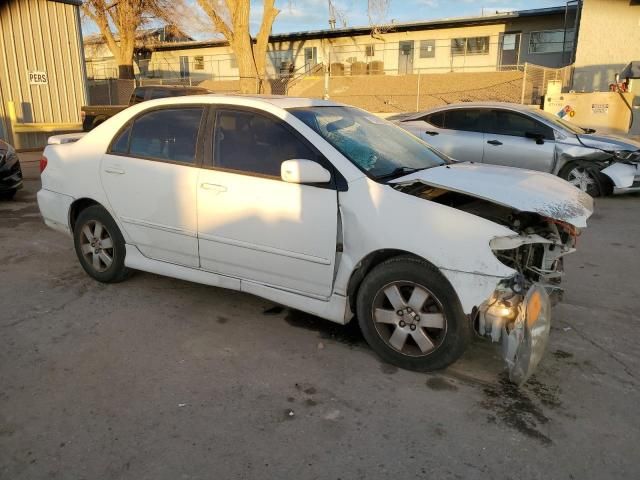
{"x": 524, "y": 190}
{"x": 609, "y": 142}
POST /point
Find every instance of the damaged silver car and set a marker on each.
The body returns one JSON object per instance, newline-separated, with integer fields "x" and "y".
{"x": 519, "y": 136}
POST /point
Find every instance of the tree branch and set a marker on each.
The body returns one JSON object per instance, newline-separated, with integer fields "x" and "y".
{"x": 218, "y": 22}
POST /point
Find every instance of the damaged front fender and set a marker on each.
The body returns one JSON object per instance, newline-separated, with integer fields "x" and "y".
{"x": 622, "y": 175}
{"x": 619, "y": 162}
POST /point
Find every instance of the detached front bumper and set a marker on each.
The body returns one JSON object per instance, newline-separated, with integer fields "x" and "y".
{"x": 521, "y": 322}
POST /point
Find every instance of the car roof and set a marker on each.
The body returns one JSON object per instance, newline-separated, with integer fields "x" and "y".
{"x": 456, "y": 106}
{"x": 281, "y": 101}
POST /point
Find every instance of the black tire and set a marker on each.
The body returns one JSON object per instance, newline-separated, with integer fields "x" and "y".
{"x": 107, "y": 273}
{"x": 448, "y": 343}
{"x": 8, "y": 195}
{"x": 595, "y": 189}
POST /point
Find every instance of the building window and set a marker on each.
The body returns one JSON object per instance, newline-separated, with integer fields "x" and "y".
{"x": 233, "y": 61}
{"x": 470, "y": 46}
{"x": 550, "y": 41}
{"x": 281, "y": 58}
{"x": 427, "y": 48}
{"x": 458, "y": 46}
{"x": 369, "y": 50}
{"x": 198, "y": 62}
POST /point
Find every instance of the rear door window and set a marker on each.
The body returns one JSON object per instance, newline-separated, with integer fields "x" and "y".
{"x": 466, "y": 120}
{"x": 169, "y": 134}
{"x": 120, "y": 144}
{"x": 436, "y": 119}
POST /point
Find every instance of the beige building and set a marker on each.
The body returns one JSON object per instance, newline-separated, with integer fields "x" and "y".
{"x": 42, "y": 71}
{"x": 608, "y": 40}
{"x": 488, "y": 43}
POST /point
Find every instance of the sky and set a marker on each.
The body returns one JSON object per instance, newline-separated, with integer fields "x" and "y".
{"x": 301, "y": 15}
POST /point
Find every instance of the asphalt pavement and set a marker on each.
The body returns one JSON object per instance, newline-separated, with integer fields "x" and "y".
{"x": 157, "y": 378}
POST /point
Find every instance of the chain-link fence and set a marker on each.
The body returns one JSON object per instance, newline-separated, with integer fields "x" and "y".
{"x": 536, "y": 78}
{"x": 110, "y": 91}
{"x": 368, "y": 87}
{"x": 388, "y": 92}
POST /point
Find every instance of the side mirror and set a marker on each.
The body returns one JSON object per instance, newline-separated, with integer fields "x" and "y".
{"x": 538, "y": 137}
{"x": 303, "y": 171}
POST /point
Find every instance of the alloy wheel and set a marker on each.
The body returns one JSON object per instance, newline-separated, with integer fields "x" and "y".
{"x": 409, "y": 318}
{"x": 579, "y": 177}
{"x": 96, "y": 245}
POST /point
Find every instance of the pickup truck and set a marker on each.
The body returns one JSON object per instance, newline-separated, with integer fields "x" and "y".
{"x": 94, "y": 115}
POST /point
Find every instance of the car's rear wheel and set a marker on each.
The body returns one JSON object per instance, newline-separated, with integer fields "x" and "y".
{"x": 99, "y": 245}
{"x": 583, "y": 177}
{"x": 410, "y": 315}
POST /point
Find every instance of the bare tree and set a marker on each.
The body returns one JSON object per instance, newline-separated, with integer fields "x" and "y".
{"x": 231, "y": 19}
{"x": 378, "y": 11}
{"x": 120, "y": 20}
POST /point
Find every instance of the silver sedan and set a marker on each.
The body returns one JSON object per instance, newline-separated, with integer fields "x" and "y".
{"x": 519, "y": 136}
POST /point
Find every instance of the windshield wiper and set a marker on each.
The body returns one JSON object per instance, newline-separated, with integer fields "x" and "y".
{"x": 588, "y": 130}
{"x": 399, "y": 172}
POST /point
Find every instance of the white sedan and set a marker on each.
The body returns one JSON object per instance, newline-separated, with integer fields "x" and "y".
{"x": 323, "y": 208}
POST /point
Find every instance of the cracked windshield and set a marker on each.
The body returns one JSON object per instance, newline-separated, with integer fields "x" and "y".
{"x": 382, "y": 150}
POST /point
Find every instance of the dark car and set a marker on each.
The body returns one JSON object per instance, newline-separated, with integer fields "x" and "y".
{"x": 94, "y": 115}
{"x": 10, "y": 172}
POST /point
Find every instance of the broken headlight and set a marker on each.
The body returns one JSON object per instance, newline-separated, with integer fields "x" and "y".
{"x": 627, "y": 155}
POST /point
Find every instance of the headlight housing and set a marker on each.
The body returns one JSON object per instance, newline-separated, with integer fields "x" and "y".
{"x": 627, "y": 155}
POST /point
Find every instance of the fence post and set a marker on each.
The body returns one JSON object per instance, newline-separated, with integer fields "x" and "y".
{"x": 418, "y": 95}
{"x": 326, "y": 85}
{"x": 524, "y": 83}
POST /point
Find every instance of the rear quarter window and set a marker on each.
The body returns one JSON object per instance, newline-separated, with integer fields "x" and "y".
{"x": 436, "y": 119}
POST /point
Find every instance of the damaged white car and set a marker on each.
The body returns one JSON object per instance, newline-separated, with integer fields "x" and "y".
{"x": 324, "y": 208}
{"x": 523, "y": 137}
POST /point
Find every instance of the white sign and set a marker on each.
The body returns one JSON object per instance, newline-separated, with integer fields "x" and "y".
{"x": 600, "y": 108}
{"x": 38, "y": 78}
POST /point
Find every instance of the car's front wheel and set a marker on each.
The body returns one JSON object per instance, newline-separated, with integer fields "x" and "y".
{"x": 100, "y": 245}
{"x": 583, "y": 177}
{"x": 410, "y": 315}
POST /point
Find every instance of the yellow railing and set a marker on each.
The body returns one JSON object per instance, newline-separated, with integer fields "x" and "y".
{"x": 19, "y": 127}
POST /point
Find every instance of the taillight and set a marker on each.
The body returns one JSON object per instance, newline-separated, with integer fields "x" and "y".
{"x": 43, "y": 163}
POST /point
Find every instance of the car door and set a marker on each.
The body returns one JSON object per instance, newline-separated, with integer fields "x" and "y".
{"x": 456, "y": 132}
{"x": 149, "y": 174}
{"x": 514, "y": 139}
{"x": 251, "y": 224}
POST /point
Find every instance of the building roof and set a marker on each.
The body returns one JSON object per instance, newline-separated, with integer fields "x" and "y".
{"x": 394, "y": 27}
{"x": 69, "y": 2}
{"x": 146, "y": 34}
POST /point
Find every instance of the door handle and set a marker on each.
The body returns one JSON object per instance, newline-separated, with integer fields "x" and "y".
{"x": 494, "y": 142}
{"x": 114, "y": 170}
{"x": 213, "y": 187}
{"x": 429, "y": 132}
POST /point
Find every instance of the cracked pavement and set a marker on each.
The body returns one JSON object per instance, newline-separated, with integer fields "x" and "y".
{"x": 156, "y": 378}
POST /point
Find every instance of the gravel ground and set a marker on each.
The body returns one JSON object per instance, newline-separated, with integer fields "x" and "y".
{"x": 156, "y": 378}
